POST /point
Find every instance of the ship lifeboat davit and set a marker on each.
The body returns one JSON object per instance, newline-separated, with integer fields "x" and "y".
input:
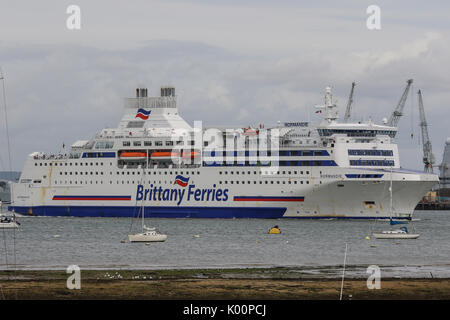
{"x": 190, "y": 155}
{"x": 164, "y": 155}
{"x": 133, "y": 155}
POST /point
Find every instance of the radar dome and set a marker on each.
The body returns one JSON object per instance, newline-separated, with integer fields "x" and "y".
{"x": 447, "y": 141}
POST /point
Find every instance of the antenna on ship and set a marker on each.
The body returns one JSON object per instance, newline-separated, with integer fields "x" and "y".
{"x": 330, "y": 107}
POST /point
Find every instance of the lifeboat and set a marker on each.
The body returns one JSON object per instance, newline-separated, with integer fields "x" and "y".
{"x": 251, "y": 132}
{"x": 133, "y": 154}
{"x": 164, "y": 154}
{"x": 191, "y": 155}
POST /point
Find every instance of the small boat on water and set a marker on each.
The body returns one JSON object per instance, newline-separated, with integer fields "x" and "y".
{"x": 7, "y": 222}
{"x": 401, "y": 233}
{"x": 147, "y": 234}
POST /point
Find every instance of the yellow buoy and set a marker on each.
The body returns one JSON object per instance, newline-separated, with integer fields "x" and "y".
{"x": 275, "y": 230}
{"x": 367, "y": 238}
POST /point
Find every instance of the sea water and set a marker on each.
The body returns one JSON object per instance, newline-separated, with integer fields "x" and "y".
{"x": 97, "y": 243}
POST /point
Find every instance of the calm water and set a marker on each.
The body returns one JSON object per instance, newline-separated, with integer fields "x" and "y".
{"x": 56, "y": 242}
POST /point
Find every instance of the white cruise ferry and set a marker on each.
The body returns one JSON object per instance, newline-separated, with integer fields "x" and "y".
{"x": 157, "y": 160}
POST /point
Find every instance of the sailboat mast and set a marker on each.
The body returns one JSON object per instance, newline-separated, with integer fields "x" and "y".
{"x": 390, "y": 192}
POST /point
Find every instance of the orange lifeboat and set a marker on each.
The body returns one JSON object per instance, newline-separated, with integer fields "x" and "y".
{"x": 191, "y": 155}
{"x": 133, "y": 154}
{"x": 164, "y": 154}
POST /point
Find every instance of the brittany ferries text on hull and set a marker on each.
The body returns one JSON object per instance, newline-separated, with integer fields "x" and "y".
{"x": 292, "y": 170}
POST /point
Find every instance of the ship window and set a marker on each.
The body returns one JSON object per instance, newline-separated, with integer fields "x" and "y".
{"x": 137, "y": 143}
{"x": 158, "y": 143}
{"x": 126, "y": 143}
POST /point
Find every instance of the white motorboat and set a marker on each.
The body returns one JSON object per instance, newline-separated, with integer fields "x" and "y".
{"x": 401, "y": 233}
{"x": 8, "y": 222}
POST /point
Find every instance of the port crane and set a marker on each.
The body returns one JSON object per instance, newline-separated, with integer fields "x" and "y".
{"x": 398, "y": 112}
{"x": 428, "y": 157}
{"x": 348, "y": 110}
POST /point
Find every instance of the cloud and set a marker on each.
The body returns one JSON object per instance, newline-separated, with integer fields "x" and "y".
{"x": 232, "y": 64}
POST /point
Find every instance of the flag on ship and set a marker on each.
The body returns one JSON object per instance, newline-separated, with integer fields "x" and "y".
{"x": 182, "y": 181}
{"x": 143, "y": 114}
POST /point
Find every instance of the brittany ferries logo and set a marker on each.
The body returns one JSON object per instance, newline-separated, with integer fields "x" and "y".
{"x": 181, "y": 181}
{"x": 143, "y": 114}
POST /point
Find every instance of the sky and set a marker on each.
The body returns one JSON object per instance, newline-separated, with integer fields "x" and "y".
{"x": 232, "y": 62}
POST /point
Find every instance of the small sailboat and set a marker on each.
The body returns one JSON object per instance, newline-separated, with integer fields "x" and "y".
{"x": 147, "y": 234}
{"x": 401, "y": 233}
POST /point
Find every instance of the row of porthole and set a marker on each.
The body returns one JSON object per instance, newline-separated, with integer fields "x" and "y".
{"x": 70, "y": 164}
{"x": 165, "y": 182}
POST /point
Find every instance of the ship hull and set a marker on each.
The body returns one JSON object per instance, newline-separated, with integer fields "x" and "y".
{"x": 323, "y": 198}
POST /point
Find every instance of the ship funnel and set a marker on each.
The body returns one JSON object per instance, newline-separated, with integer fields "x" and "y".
{"x": 167, "y": 91}
{"x": 141, "y": 92}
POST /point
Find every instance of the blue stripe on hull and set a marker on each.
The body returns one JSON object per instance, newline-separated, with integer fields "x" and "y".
{"x": 174, "y": 212}
{"x": 154, "y": 212}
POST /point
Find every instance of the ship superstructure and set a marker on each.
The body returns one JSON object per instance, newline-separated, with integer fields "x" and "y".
{"x": 293, "y": 170}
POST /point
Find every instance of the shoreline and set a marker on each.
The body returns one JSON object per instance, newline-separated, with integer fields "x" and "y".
{"x": 213, "y": 284}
